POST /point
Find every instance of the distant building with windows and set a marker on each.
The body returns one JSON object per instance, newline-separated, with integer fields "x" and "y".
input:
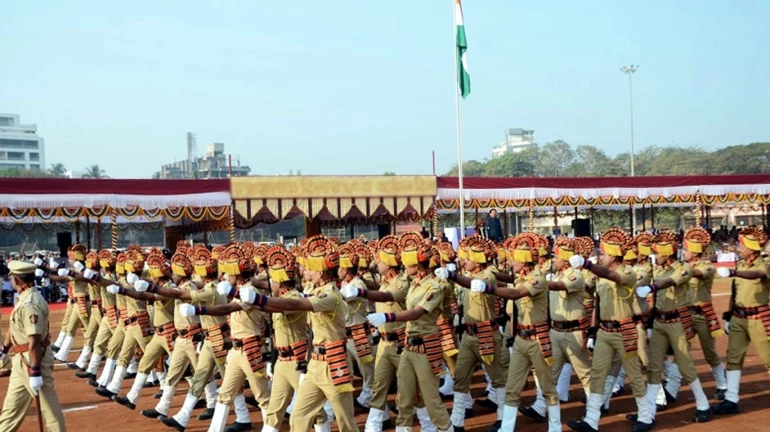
{"x": 214, "y": 165}
{"x": 516, "y": 140}
{"x": 20, "y": 147}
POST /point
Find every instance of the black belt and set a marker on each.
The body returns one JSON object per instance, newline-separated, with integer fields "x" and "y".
{"x": 415, "y": 340}
{"x": 610, "y": 325}
{"x": 238, "y": 343}
{"x": 667, "y": 315}
{"x": 319, "y": 350}
{"x": 565, "y": 326}
{"x": 745, "y": 312}
{"x": 390, "y": 337}
{"x": 526, "y": 333}
{"x": 695, "y": 309}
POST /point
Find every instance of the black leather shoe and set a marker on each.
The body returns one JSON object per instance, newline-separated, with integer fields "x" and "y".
{"x": 531, "y": 413}
{"x": 633, "y": 418}
{"x": 720, "y": 394}
{"x": 151, "y": 413}
{"x": 208, "y": 414}
{"x": 486, "y": 404}
{"x": 124, "y": 401}
{"x": 74, "y": 366}
{"x": 459, "y": 429}
{"x": 93, "y": 383}
{"x": 618, "y": 392}
{"x": 103, "y": 392}
{"x": 496, "y": 427}
{"x": 251, "y": 400}
{"x": 173, "y": 424}
{"x": 393, "y": 409}
{"x": 702, "y": 416}
{"x": 580, "y": 426}
{"x": 661, "y": 408}
{"x": 670, "y": 399}
{"x": 726, "y": 407}
{"x": 642, "y": 427}
{"x": 238, "y": 427}
{"x": 468, "y": 413}
{"x": 149, "y": 384}
{"x": 130, "y": 376}
{"x": 85, "y": 374}
{"x": 387, "y": 424}
{"x": 55, "y": 348}
{"x": 446, "y": 397}
{"x": 200, "y": 404}
{"x": 359, "y": 407}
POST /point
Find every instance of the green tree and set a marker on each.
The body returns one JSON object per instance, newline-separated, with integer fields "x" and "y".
{"x": 554, "y": 159}
{"x": 94, "y": 172}
{"x": 389, "y": 173}
{"x": 512, "y": 165}
{"x": 743, "y": 159}
{"x": 471, "y": 168}
{"x": 57, "y": 170}
{"x": 22, "y": 173}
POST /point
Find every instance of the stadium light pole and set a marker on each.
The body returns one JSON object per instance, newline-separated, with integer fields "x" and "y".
{"x": 629, "y": 70}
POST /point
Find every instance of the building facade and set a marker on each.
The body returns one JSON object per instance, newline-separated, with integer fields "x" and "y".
{"x": 516, "y": 140}
{"x": 214, "y": 165}
{"x": 20, "y": 147}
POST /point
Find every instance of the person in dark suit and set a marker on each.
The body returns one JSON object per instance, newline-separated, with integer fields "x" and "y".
{"x": 494, "y": 229}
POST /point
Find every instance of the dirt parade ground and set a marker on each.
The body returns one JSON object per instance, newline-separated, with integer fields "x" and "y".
{"x": 85, "y": 411}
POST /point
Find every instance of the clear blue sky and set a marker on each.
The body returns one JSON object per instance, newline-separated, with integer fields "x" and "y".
{"x": 349, "y": 87}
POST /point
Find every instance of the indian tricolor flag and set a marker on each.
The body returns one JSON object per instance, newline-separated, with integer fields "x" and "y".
{"x": 463, "y": 77}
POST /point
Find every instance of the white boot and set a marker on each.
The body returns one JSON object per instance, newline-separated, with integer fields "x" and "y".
{"x": 242, "y": 410}
{"x": 500, "y": 392}
{"x": 290, "y": 408}
{"x": 620, "y": 381}
{"x": 674, "y": 379}
{"x": 425, "y": 423}
{"x": 539, "y": 406}
{"x": 509, "y": 418}
{"x": 554, "y": 419}
{"x": 448, "y": 387}
{"x": 701, "y": 401}
{"x": 183, "y": 416}
{"x": 451, "y": 429}
{"x": 82, "y": 361}
{"x": 136, "y": 388}
{"x": 733, "y": 385}
{"x": 117, "y": 380}
{"x": 106, "y": 376}
{"x": 594, "y": 409}
{"x": 152, "y": 377}
{"x": 267, "y": 428}
{"x": 645, "y": 410}
{"x": 161, "y": 379}
{"x": 660, "y": 397}
{"x": 211, "y": 394}
{"x": 133, "y": 365}
{"x": 219, "y": 420}
{"x": 60, "y": 339}
{"x": 719, "y": 377}
{"x": 326, "y": 427}
{"x": 165, "y": 400}
{"x": 562, "y": 385}
{"x": 608, "y": 384}
{"x": 458, "y": 410}
{"x": 329, "y": 411}
{"x": 374, "y": 421}
{"x": 93, "y": 365}
{"x": 365, "y": 398}
{"x": 490, "y": 390}
{"x": 64, "y": 351}
{"x": 652, "y": 399}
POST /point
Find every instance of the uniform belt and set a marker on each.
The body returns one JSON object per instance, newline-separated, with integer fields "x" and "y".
{"x": 390, "y": 337}
{"x": 225, "y": 328}
{"x": 668, "y": 316}
{"x": 18, "y": 349}
{"x": 239, "y": 343}
{"x": 319, "y": 350}
{"x": 565, "y": 326}
{"x": 610, "y": 326}
{"x": 745, "y": 312}
{"x": 349, "y": 330}
{"x": 696, "y": 309}
{"x": 641, "y": 318}
{"x": 526, "y": 332}
{"x": 414, "y": 340}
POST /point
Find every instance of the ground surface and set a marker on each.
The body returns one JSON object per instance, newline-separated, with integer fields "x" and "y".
{"x": 85, "y": 411}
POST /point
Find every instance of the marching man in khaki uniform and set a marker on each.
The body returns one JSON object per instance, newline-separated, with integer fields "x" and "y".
{"x": 81, "y": 311}
{"x": 32, "y": 370}
{"x": 748, "y": 321}
{"x": 617, "y": 334}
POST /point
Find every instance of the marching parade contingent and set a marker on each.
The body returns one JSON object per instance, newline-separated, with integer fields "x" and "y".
{"x": 294, "y": 325}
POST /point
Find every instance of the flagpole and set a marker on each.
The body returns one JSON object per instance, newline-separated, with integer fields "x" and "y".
{"x": 457, "y": 130}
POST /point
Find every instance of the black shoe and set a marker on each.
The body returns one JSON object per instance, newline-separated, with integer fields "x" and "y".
{"x": 55, "y": 348}
{"x": 359, "y": 407}
{"x": 130, "y": 376}
{"x": 158, "y": 395}
{"x": 604, "y": 410}
{"x": 661, "y": 408}
{"x": 124, "y": 401}
{"x": 85, "y": 374}
{"x": 393, "y": 409}
{"x": 580, "y": 426}
{"x": 93, "y": 383}
{"x": 726, "y": 407}
{"x": 238, "y": 427}
{"x": 468, "y": 413}
{"x": 170, "y": 422}
{"x": 670, "y": 399}
{"x": 633, "y": 418}
{"x": 531, "y": 413}
{"x": 583, "y": 400}
{"x": 387, "y": 424}
{"x": 496, "y": 427}
{"x": 445, "y": 397}
{"x": 618, "y": 392}
{"x": 200, "y": 404}
{"x": 74, "y": 366}
{"x": 459, "y": 429}
{"x": 251, "y": 400}
{"x": 151, "y": 413}
{"x": 149, "y": 384}
{"x": 720, "y": 394}
{"x": 486, "y": 403}
{"x": 642, "y": 427}
{"x": 208, "y": 414}
{"x": 103, "y": 392}
{"x": 702, "y": 416}
{"x": 286, "y": 416}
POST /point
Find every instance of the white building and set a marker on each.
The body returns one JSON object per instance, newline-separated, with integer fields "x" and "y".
{"x": 20, "y": 147}
{"x": 516, "y": 140}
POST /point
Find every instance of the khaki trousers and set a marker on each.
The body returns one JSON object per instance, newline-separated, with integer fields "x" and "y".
{"x": 468, "y": 357}
{"x": 568, "y": 348}
{"x": 367, "y": 369}
{"x": 204, "y": 369}
{"x": 94, "y": 322}
{"x": 665, "y": 336}
{"x": 707, "y": 343}
{"x": 641, "y": 340}
{"x": 285, "y": 383}
{"x": 76, "y": 319}
{"x": 116, "y": 342}
{"x": 314, "y": 391}
{"x": 743, "y": 331}
{"x": 415, "y": 375}
{"x": 66, "y": 318}
{"x": 385, "y": 367}
{"x": 608, "y": 345}
{"x": 152, "y": 353}
{"x": 527, "y": 355}
{"x": 237, "y": 371}
{"x": 103, "y": 337}
{"x": 184, "y": 355}
{"x": 132, "y": 340}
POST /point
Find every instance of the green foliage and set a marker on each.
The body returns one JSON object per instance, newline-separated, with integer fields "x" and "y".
{"x": 23, "y": 173}
{"x": 94, "y": 172}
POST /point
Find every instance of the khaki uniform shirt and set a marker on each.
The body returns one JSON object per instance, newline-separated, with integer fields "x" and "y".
{"x": 448, "y": 291}
{"x": 163, "y": 308}
{"x": 398, "y": 287}
{"x": 208, "y": 296}
{"x": 533, "y": 309}
{"x": 290, "y": 327}
{"x": 247, "y": 321}
{"x": 29, "y": 317}
{"x": 80, "y": 288}
{"x": 480, "y": 307}
{"x": 108, "y": 300}
{"x": 643, "y": 278}
{"x": 427, "y": 294}
{"x": 328, "y": 316}
{"x": 180, "y": 322}
{"x": 673, "y": 298}
{"x": 568, "y": 305}
{"x": 357, "y": 307}
{"x": 616, "y": 299}
{"x": 700, "y": 289}
{"x": 752, "y": 292}
{"x": 94, "y": 292}
{"x": 133, "y": 306}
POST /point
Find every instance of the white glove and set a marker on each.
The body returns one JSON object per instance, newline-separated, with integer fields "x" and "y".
{"x": 141, "y": 285}
{"x": 36, "y": 383}
{"x": 39, "y": 273}
{"x": 441, "y": 273}
{"x": 550, "y": 276}
{"x": 186, "y": 310}
{"x": 88, "y": 274}
{"x": 38, "y": 262}
{"x": 727, "y": 327}
{"x": 654, "y": 259}
{"x": 478, "y": 285}
{"x": 643, "y": 291}
{"x": 248, "y": 295}
{"x": 593, "y": 260}
{"x": 649, "y": 334}
{"x": 199, "y": 347}
{"x": 576, "y": 261}
{"x": 451, "y": 267}
{"x": 301, "y": 378}
{"x": 63, "y": 272}
{"x": 591, "y": 344}
{"x": 456, "y": 321}
{"x": 113, "y": 289}
{"x": 349, "y": 292}
{"x": 376, "y": 319}
{"x": 131, "y": 278}
{"x": 78, "y": 266}
{"x": 270, "y": 370}
{"x": 53, "y": 264}
{"x": 723, "y": 272}
{"x": 223, "y": 288}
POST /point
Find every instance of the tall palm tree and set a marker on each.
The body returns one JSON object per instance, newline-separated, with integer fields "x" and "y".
{"x": 57, "y": 170}
{"x": 94, "y": 172}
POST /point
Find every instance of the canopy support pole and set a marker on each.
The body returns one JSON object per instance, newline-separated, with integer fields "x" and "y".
{"x": 114, "y": 229}
{"x": 88, "y": 232}
{"x": 644, "y": 219}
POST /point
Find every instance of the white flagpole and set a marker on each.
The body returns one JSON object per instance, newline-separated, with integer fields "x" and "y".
{"x": 457, "y": 126}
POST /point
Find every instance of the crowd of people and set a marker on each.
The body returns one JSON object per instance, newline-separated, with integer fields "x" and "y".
{"x": 293, "y": 325}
